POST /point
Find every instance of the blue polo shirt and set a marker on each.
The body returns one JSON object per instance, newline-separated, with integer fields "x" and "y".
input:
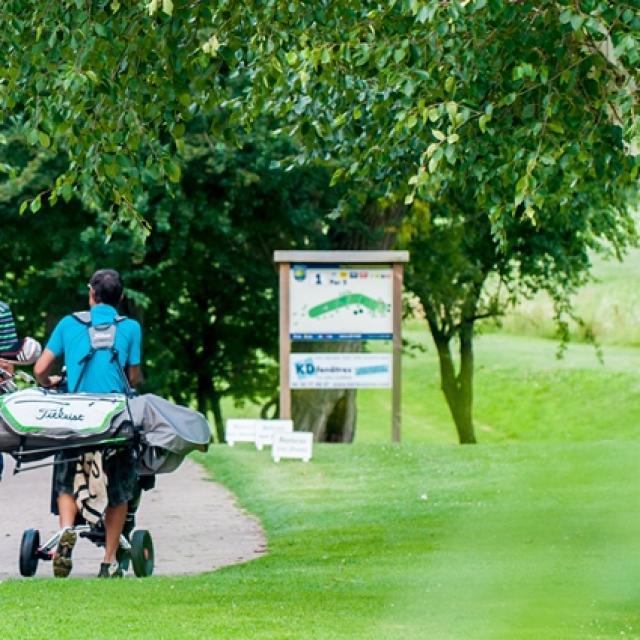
{"x": 70, "y": 339}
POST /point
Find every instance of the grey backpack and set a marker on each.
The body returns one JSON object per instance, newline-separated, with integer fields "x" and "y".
{"x": 101, "y": 337}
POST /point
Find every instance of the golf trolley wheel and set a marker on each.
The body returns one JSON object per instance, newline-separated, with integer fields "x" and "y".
{"x": 29, "y": 552}
{"x": 142, "y": 553}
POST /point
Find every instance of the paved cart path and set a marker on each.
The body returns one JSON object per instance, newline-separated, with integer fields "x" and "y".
{"x": 196, "y": 524}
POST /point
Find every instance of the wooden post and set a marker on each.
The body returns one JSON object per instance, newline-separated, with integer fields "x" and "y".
{"x": 285, "y": 343}
{"x": 397, "y": 353}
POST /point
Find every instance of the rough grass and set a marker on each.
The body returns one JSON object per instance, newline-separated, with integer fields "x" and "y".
{"x": 609, "y": 306}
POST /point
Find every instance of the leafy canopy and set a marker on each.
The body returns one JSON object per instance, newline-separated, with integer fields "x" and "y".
{"x": 396, "y": 91}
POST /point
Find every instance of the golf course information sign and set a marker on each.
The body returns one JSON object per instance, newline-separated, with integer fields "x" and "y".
{"x": 340, "y": 297}
{"x": 340, "y": 302}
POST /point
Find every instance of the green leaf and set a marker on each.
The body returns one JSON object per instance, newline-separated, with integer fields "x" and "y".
{"x": 44, "y": 139}
{"x": 337, "y": 174}
{"x": 423, "y": 14}
{"x": 67, "y": 192}
{"x": 577, "y": 22}
{"x": 36, "y": 204}
{"x": 449, "y": 84}
{"x": 178, "y": 130}
{"x": 565, "y": 16}
{"x": 431, "y": 149}
{"x": 33, "y": 137}
{"x": 173, "y": 171}
{"x": 438, "y": 134}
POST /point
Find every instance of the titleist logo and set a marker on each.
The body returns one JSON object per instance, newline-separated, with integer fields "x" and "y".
{"x": 58, "y": 414}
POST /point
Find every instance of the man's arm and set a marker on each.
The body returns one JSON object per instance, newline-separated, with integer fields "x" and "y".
{"x": 42, "y": 368}
{"x": 7, "y": 366}
{"x": 133, "y": 373}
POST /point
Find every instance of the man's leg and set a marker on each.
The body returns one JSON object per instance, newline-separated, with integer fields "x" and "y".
{"x": 119, "y": 468}
{"x": 68, "y": 510}
{"x": 114, "y": 518}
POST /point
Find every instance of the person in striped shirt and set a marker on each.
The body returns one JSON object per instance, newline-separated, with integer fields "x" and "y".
{"x": 8, "y": 335}
{"x": 8, "y": 343}
{"x": 14, "y": 350}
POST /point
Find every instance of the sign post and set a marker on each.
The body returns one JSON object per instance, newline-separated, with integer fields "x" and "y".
{"x": 341, "y": 296}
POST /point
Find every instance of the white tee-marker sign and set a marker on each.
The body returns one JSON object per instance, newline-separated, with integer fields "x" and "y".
{"x": 267, "y": 429}
{"x": 240, "y": 430}
{"x": 297, "y": 445}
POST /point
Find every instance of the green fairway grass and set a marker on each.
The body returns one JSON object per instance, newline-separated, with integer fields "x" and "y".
{"x": 381, "y": 541}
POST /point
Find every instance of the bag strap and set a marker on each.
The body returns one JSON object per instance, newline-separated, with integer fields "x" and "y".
{"x": 84, "y": 317}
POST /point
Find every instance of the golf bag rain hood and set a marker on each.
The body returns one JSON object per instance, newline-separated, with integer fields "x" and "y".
{"x": 169, "y": 431}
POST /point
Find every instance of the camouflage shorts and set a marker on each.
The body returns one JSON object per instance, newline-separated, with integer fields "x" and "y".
{"x": 119, "y": 466}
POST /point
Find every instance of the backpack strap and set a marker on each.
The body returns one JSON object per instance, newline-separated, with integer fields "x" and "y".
{"x": 84, "y": 317}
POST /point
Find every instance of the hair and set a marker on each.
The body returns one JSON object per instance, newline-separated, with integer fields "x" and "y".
{"x": 107, "y": 286}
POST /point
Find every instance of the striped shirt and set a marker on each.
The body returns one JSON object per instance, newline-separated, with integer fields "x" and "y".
{"x": 8, "y": 335}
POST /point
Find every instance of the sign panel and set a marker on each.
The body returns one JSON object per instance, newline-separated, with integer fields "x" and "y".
{"x": 340, "y": 302}
{"x": 240, "y": 430}
{"x": 298, "y": 445}
{"x": 255, "y": 430}
{"x": 340, "y": 370}
{"x": 267, "y": 429}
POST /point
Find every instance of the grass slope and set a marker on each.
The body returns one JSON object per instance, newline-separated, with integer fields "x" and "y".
{"x": 523, "y": 392}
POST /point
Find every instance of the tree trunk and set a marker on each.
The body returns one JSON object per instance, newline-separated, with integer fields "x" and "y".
{"x": 458, "y": 388}
{"x": 209, "y": 400}
{"x": 217, "y": 417}
{"x": 329, "y": 413}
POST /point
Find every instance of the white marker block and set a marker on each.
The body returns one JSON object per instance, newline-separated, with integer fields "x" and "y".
{"x": 239, "y": 430}
{"x": 298, "y": 445}
{"x": 266, "y": 430}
